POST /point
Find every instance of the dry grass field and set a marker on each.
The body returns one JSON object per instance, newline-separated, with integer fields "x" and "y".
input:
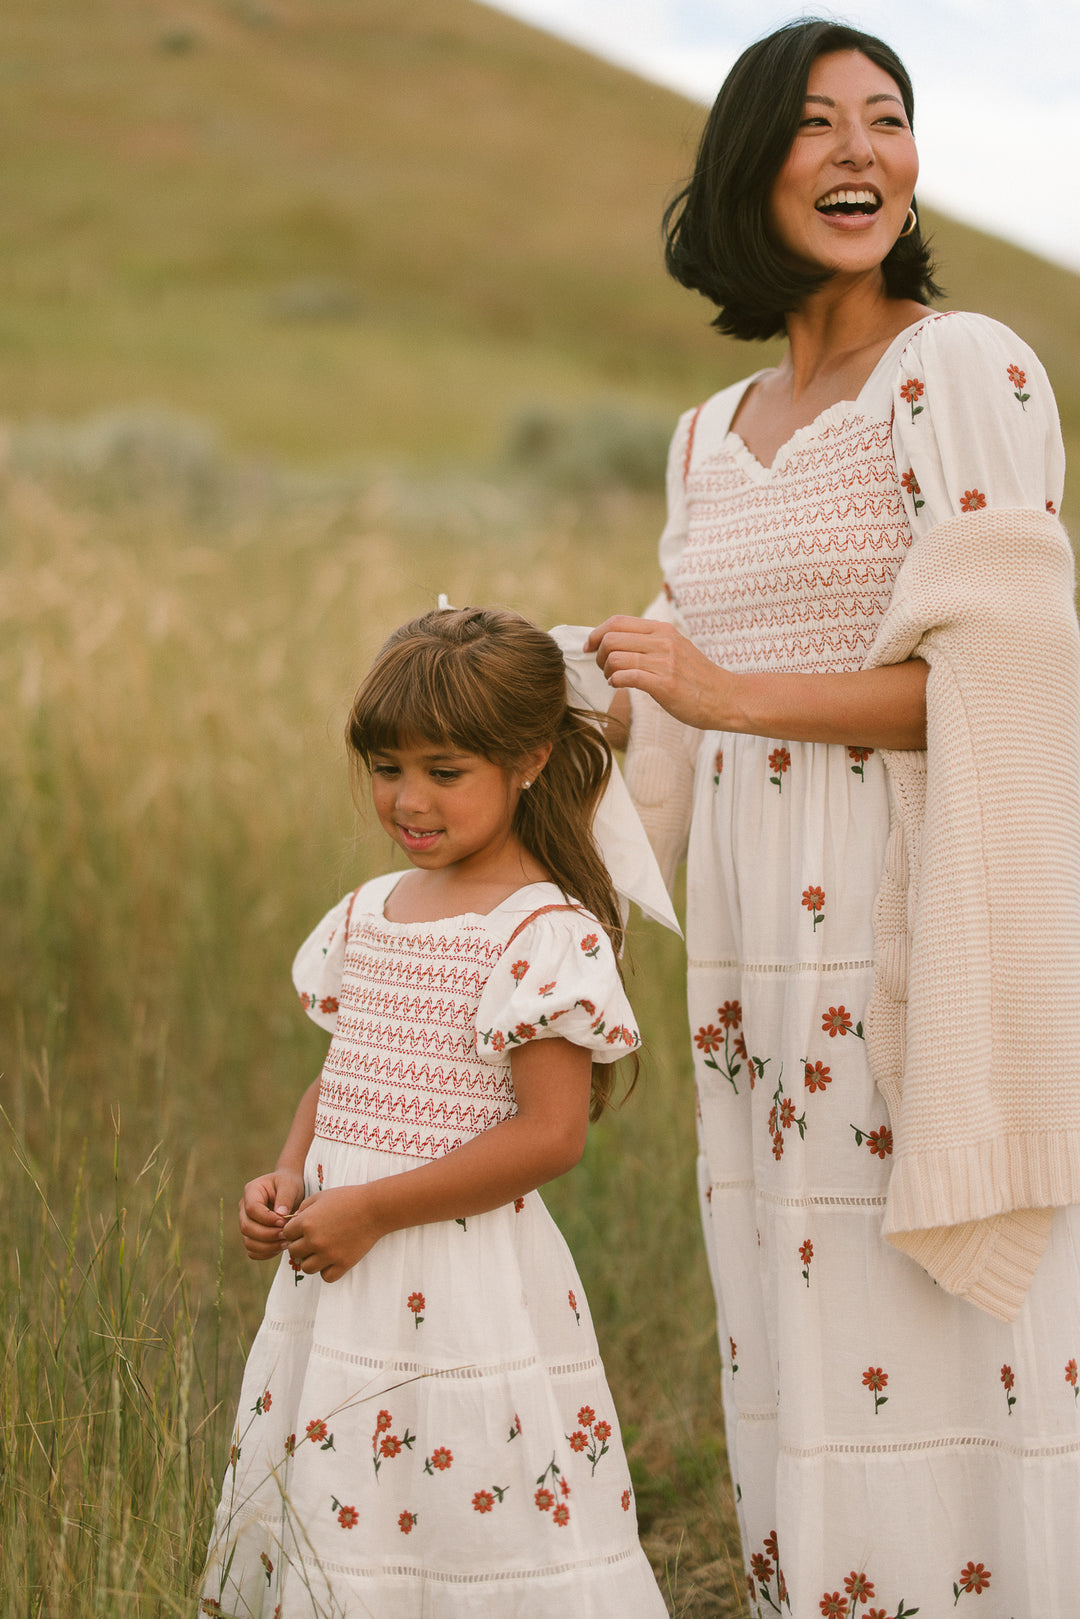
{"x": 309, "y": 310}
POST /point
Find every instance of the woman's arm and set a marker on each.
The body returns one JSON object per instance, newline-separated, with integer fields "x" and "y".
{"x": 332, "y": 1230}
{"x": 878, "y": 708}
{"x": 270, "y": 1199}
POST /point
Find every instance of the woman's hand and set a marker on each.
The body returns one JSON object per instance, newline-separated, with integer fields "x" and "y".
{"x": 332, "y": 1230}
{"x": 876, "y": 708}
{"x": 653, "y": 657}
{"x": 264, "y": 1208}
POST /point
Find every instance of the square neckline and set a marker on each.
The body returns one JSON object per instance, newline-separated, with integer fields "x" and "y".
{"x": 456, "y": 916}
{"x": 810, "y": 429}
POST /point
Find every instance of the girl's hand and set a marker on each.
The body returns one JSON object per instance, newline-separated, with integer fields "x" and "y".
{"x": 264, "y": 1208}
{"x": 332, "y": 1230}
{"x": 653, "y": 657}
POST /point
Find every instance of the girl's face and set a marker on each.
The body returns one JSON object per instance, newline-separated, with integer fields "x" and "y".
{"x": 446, "y": 808}
{"x": 842, "y": 195}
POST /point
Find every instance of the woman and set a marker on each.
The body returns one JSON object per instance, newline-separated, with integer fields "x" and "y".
{"x": 887, "y": 1079}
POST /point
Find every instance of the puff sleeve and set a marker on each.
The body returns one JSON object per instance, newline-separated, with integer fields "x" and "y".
{"x": 975, "y": 425}
{"x": 556, "y": 978}
{"x": 319, "y": 964}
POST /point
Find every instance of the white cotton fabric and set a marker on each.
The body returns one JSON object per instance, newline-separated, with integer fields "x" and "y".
{"x": 432, "y": 1436}
{"x": 893, "y": 1447}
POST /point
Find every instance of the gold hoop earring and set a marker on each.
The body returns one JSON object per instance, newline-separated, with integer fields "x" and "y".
{"x": 913, "y": 217}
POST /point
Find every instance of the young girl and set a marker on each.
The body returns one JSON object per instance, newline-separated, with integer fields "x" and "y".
{"x": 424, "y": 1425}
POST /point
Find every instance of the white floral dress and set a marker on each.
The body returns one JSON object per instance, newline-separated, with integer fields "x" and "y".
{"x": 894, "y": 1449}
{"x": 432, "y": 1435}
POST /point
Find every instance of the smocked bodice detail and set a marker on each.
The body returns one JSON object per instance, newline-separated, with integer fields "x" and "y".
{"x": 402, "y": 1074}
{"x": 790, "y": 568}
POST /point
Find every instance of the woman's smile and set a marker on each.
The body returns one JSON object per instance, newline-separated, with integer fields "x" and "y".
{"x": 843, "y": 192}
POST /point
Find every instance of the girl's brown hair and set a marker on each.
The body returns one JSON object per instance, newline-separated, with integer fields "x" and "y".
{"x": 486, "y": 681}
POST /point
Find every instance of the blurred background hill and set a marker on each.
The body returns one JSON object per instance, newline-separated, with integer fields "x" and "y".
{"x": 343, "y": 230}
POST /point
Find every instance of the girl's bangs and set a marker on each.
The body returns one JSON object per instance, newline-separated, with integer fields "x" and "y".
{"x": 416, "y": 698}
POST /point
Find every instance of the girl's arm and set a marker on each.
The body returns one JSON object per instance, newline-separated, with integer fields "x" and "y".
{"x": 878, "y": 708}
{"x": 270, "y": 1199}
{"x": 332, "y": 1230}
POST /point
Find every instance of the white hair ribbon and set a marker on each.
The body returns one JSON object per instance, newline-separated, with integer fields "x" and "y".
{"x": 617, "y": 828}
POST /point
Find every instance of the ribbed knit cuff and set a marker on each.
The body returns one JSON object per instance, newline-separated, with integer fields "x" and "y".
{"x": 989, "y": 1262}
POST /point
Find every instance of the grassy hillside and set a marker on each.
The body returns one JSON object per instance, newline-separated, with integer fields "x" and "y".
{"x": 356, "y": 242}
{"x": 357, "y": 229}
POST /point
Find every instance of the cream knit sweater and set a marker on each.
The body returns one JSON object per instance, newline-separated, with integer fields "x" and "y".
{"x": 973, "y": 1031}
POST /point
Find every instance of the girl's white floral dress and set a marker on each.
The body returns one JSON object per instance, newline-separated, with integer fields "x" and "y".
{"x": 894, "y": 1449}
{"x": 432, "y": 1436}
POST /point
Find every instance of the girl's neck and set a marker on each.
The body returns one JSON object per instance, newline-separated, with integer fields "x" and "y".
{"x": 431, "y": 896}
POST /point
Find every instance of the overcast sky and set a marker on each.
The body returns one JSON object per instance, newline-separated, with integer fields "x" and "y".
{"x": 997, "y": 88}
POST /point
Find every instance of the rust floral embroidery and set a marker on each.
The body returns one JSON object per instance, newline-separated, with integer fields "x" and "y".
{"x": 518, "y": 971}
{"x": 780, "y": 761}
{"x": 347, "y": 1517}
{"x": 591, "y": 1437}
{"x": 817, "y": 1075}
{"x": 590, "y": 945}
{"x": 515, "y": 1428}
{"x": 1051, "y": 508}
{"x": 406, "y": 1520}
{"x": 385, "y": 1446}
{"x": 1071, "y": 1377}
{"x": 875, "y": 1380}
{"x": 878, "y": 1141}
{"x": 545, "y": 1496}
{"x": 734, "y": 1355}
{"x": 718, "y": 767}
{"x": 319, "y": 1434}
{"x": 328, "y": 1004}
{"x": 814, "y": 900}
{"x": 763, "y": 1565}
{"x": 974, "y": 1578}
{"x": 911, "y": 392}
{"x": 1018, "y": 380}
{"x": 416, "y": 1303}
{"x": 268, "y": 1567}
{"x": 834, "y": 1606}
{"x": 262, "y": 1404}
{"x": 910, "y": 484}
{"x": 858, "y": 1588}
{"x": 972, "y": 500}
{"x": 1008, "y": 1380}
{"x": 439, "y": 1460}
{"x": 573, "y": 1305}
{"x": 626, "y": 1500}
{"x": 782, "y": 1117}
{"x": 710, "y": 1038}
{"x": 860, "y": 756}
{"x": 806, "y": 1254}
{"x": 837, "y": 1020}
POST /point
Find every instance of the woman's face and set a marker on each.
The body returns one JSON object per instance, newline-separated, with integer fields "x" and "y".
{"x": 842, "y": 195}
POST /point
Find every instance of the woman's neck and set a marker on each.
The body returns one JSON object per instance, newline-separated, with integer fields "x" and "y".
{"x": 835, "y": 339}
{"x": 840, "y": 330}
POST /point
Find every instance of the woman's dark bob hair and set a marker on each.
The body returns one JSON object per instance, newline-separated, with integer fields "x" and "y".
{"x": 716, "y": 230}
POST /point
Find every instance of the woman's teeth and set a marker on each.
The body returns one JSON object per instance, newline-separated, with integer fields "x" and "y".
{"x": 864, "y": 201}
